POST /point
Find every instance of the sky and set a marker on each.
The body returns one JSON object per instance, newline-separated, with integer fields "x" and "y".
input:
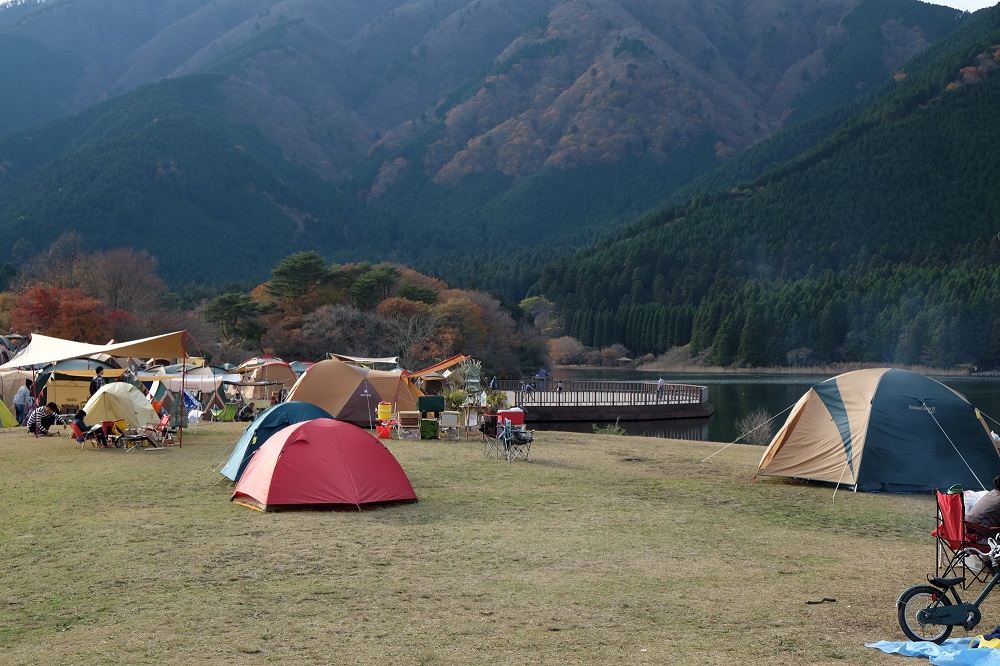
{"x": 968, "y": 5}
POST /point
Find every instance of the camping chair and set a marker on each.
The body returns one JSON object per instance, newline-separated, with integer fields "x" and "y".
{"x": 160, "y": 433}
{"x": 81, "y": 437}
{"x": 517, "y": 443}
{"x": 953, "y": 534}
{"x": 227, "y": 413}
{"x": 152, "y": 436}
{"x": 492, "y": 436}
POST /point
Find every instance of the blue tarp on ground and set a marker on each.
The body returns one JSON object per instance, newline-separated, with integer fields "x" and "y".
{"x": 269, "y": 422}
{"x": 953, "y": 652}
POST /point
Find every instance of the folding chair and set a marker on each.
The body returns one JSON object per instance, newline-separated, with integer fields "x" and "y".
{"x": 492, "y": 436}
{"x": 227, "y": 413}
{"x": 82, "y": 437}
{"x": 517, "y": 443}
{"x": 954, "y": 534}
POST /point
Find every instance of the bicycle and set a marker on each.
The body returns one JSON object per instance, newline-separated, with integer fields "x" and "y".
{"x": 926, "y": 613}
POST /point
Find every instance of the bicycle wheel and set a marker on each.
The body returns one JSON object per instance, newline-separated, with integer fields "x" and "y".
{"x": 917, "y": 599}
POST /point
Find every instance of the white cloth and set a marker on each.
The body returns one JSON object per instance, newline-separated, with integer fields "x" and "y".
{"x": 970, "y": 497}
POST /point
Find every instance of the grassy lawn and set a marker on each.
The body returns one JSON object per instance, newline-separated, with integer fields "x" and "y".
{"x": 603, "y": 550}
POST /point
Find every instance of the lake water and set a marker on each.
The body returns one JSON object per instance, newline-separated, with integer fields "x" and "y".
{"x": 734, "y": 396}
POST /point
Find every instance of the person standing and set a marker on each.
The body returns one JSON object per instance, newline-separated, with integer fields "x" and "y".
{"x": 22, "y": 401}
{"x": 97, "y": 382}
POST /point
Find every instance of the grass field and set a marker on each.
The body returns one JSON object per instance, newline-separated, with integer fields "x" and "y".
{"x": 603, "y": 550}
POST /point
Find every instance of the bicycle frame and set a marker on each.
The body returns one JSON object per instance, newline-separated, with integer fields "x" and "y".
{"x": 964, "y": 614}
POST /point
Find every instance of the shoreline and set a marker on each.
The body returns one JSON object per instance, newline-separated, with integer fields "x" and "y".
{"x": 831, "y": 370}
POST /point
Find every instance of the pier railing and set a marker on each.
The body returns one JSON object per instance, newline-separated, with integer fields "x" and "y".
{"x": 589, "y": 392}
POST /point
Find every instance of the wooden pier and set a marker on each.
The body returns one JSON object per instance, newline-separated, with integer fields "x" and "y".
{"x": 608, "y": 401}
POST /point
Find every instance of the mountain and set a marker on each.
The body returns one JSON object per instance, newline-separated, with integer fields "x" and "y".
{"x": 879, "y": 244}
{"x": 432, "y": 132}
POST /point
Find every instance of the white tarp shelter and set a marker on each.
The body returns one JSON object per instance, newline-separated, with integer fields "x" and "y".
{"x": 44, "y": 349}
{"x": 203, "y": 383}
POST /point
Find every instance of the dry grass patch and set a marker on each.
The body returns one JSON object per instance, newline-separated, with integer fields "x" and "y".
{"x": 604, "y": 550}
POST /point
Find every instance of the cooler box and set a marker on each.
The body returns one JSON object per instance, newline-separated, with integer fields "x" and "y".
{"x": 428, "y": 429}
{"x": 516, "y": 416}
{"x": 430, "y": 403}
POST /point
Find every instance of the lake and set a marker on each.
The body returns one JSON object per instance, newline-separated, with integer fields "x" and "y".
{"x": 736, "y": 395}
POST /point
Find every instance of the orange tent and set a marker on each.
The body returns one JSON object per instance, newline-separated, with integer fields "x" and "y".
{"x": 352, "y": 393}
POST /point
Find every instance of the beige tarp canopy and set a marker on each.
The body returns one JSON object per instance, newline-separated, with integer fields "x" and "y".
{"x": 44, "y": 349}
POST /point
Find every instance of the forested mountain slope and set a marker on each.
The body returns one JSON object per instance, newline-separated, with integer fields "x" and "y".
{"x": 441, "y": 130}
{"x": 880, "y": 244}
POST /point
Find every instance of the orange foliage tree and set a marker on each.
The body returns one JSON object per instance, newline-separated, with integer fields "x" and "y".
{"x": 62, "y": 312}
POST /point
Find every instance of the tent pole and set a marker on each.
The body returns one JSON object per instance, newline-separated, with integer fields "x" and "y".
{"x": 184, "y": 367}
{"x": 846, "y": 463}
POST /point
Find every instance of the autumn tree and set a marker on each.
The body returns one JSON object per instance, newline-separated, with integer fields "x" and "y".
{"x": 62, "y": 313}
{"x": 567, "y": 350}
{"x": 344, "y": 330}
{"x": 124, "y": 278}
{"x": 409, "y": 326}
{"x": 56, "y": 266}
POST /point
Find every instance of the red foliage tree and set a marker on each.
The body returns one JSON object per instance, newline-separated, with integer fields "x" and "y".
{"x": 62, "y": 312}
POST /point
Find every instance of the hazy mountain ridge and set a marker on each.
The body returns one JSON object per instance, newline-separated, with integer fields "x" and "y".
{"x": 573, "y": 117}
{"x": 880, "y": 244}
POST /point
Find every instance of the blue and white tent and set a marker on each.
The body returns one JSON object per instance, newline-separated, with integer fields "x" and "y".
{"x": 269, "y": 422}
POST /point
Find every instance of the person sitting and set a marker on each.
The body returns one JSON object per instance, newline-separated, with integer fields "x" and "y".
{"x": 41, "y": 419}
{"x": 986, "y": 512}
{"x": 97, "y": 431}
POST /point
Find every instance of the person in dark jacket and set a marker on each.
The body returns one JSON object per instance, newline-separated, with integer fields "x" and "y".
{"x": 97, "y": 430}
{"x": 97, "y": 382}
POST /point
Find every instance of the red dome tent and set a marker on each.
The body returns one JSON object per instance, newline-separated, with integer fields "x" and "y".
{"x": 322, "y": 463}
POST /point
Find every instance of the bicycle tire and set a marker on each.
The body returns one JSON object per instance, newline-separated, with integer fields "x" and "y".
{"x": 917, "y": 599}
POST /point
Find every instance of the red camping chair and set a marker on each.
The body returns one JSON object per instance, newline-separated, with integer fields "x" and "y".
{"x": 82, "y": 437}
{"x": 953, "y": 534}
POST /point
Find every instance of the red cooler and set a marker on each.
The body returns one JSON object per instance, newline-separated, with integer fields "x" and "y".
{"x": 516, "y": 416}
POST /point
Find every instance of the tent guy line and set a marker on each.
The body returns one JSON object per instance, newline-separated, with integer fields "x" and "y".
{"x": 742, "y": 435}
{"x": 972, "y": 471}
